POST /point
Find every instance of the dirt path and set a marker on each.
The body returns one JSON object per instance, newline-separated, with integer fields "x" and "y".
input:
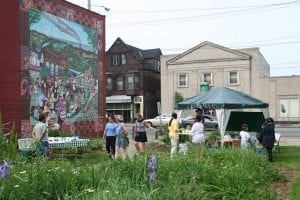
{"x": 284, "y": 188}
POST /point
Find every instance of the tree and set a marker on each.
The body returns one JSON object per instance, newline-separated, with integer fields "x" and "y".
{"x": 178, "y": 98}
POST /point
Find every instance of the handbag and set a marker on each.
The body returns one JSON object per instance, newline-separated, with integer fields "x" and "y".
{"x": 127, "y": 140}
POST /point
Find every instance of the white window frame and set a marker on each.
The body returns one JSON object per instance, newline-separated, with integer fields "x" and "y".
{"x": 109, "y": 86}
{"x": 290, "y": 112}
{"x": 179, "y": 81}
{"x": 211, "y": 78}
{"x": 136, "y": 81}
{"x": 123, "y": 59}
{"x": 115, "y": 59}
{"x": 238, "y": 78}
{"x": 130, "y": 82}
{"x": 119, "y": 80}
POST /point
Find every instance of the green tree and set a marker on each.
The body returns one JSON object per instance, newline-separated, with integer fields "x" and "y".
{"x": 178, "y": 98}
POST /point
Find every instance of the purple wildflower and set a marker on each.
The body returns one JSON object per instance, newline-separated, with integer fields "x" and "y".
{"x": 152, "y": 166}
{"x": 4, "y": 170}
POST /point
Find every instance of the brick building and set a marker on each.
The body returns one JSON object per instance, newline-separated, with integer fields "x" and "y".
{"x": 133, "y": 80}
{"x": 45, "y": 46}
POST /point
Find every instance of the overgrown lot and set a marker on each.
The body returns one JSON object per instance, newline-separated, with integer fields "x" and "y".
{"x": 221, "y": 174}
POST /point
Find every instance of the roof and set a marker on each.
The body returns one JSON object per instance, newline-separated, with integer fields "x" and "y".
{"x": 144, "y": 54}
{"x": 141, "y": 54}
{"x": 222, "y": 97}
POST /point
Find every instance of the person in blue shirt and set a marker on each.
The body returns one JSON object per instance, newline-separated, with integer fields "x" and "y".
{"x": 110, "y": 136}
{"x": 121, "y": 138}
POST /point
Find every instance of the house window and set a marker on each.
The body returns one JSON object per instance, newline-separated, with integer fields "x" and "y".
{"x": 119, "y": 83}
{"x": 182, "y": 80}
{"x": 109, "y": 83}
{"x": 123, "y": 59}
{"x": 136, "y": 82}
{"x": 233, "y": 78}
{"x": 115, "y": 59}
{"x": 130, "y": 82}
{"x": 207, "y": 77}
{"x": 289, "y": 106}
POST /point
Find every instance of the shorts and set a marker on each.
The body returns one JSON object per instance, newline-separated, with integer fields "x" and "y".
{"x": 140, "y": 137}
{"x": 121, "y": 141}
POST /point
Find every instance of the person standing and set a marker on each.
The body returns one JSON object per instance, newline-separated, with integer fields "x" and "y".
{"x": 140, "y": 133}
{"x": 268, "y": 137}
{"x": 174, "y": 134}
{"x": 121, "y": 137}
{"x": 40, "y": 136}
{"x": 198, "y": 139}
{"x": 244, "y": 136}
{"x": 110, "y": 136}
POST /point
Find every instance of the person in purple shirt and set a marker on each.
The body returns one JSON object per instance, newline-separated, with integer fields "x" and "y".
{"x": 110, "y": 136}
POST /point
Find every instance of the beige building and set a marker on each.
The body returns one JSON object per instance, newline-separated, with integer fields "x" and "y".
{"x": 245, "y": 70}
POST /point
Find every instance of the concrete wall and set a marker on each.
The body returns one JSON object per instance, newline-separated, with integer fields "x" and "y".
{"x": 254, "y": 75}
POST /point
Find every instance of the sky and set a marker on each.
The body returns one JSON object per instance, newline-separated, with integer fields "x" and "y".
{"x": 175, "y": 26}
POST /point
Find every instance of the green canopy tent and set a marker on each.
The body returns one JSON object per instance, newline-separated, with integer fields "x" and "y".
{"x": 223, "y": 100}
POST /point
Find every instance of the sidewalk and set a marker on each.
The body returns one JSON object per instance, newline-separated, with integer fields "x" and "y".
{"x": 289, "y": 141}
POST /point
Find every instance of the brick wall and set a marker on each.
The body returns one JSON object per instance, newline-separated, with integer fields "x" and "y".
{"x": 15, "y": 53}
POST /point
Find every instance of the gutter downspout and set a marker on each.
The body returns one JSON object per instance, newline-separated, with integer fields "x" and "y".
{"x": 250, "y": 80}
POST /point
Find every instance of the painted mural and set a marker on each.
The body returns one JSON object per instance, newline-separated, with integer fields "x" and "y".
{"x": 63, "y": 70}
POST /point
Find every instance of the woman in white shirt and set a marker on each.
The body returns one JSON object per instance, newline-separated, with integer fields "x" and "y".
{"x": 244, "y": 136}
{"x": 198, "y": 139}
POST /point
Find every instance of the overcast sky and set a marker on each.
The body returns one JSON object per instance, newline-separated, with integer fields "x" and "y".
{"x": 175, "y": 26}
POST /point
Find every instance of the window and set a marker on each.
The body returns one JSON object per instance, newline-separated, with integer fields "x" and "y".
{"x": 115, "y": 59}
{"x": 120, "y": 83}
{"x": 136, "y": 82}
{"x": 289, "y": 106}
{"x": 182, "y": 80}
{"x": 233, "y": 78}
{"x": 207, "y": 77}
{"x": 130, "y": 82}
{"x": 109, "y": 83}
{"x": 123, "y": 59}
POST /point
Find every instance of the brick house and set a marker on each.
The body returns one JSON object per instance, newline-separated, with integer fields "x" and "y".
{"x": 32, "y": 58}
{"x": 133, "y": 80}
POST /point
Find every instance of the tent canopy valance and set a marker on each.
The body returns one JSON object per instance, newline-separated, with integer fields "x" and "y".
{"x": 223, "y": 100}
{"x": 222, "y": 97}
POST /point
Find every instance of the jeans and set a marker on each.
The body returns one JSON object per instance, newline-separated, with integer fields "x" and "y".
{"x": 174, "y": 146}
{"x": 110, "y": 144}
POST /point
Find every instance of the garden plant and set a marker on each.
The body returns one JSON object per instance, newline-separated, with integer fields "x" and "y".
{"x": 221, "y": 174}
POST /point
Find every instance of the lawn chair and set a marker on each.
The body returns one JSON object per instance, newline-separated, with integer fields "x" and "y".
{"x": 276, "y": 143}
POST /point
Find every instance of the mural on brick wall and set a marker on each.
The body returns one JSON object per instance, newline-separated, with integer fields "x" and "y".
{"x": 63, "y": 68}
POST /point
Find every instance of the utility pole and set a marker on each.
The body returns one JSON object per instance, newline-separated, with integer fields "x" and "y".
{"x": 89, "y": 4}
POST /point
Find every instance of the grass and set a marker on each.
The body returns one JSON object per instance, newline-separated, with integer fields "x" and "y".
{"x": 289, "y": 157}
{"x": 221, "y": 174}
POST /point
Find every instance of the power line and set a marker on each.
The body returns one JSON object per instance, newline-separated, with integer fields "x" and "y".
{"x": 193, "y": 9}
{"x": 206, "y": 16}
{"x": 236, "y": 46}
